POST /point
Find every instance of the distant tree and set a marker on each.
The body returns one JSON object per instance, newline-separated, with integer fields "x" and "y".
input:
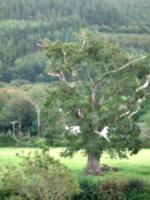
{"x": 35, "y": 95}
{"x": 99, "y": 86}
{"x": 18, "y": 107}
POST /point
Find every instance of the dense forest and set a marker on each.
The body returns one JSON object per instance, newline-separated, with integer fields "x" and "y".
{"x": 23, "y": 23}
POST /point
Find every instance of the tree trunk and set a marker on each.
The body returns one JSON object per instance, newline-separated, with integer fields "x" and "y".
{"x": 38, "y": 111}
{"x": 19, "y": 126}
{"x": 93, "y": 165}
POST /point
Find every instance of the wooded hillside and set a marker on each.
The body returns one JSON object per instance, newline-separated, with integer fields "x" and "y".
{"x": 23, "y": 23}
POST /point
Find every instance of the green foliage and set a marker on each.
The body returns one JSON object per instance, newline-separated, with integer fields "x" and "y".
{"x": 24, "y": 23}
{"x": 103, "y": 75}
{"x": 39, "y": 176}
{"x": 22, "y": 103}
{"x": 114, "y": 188}
{"x": 124, "y": 189}
{"x": 42, "y": 144}
{"x": 89, "y": 188}
{"x": 27, "y": 142}
{"x": 7, "y": 140}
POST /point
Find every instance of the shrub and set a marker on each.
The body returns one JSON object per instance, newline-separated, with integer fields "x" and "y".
{"x": 117, "y": 188}
{"x": 113, "y": 188}
{"x": 27, "y": 142}
{"x": 39, "y": 176}
{"x": 42, "y": 144}
{"x": 7, "y": 140}
{"x": 137, "y": 190}
{"x": 89, "y": 188}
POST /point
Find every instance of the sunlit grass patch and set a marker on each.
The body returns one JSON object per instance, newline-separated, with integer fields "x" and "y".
{"x": 137, "y": 165}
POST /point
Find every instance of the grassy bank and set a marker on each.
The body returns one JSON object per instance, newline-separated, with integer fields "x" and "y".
{"x": 137, "y": 165}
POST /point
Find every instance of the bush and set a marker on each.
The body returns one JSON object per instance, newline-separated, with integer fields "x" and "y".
{"x": 27, "y": 142}
{"x": 136, "y": 190}
{"x": 42, "y": 144}
{"x": 38, "y": 177}
{"x": 7, "y": 140}
{"x": 60, "y": 141}
{"x": 89, "y": 188}
{"x": 114, "y": 188}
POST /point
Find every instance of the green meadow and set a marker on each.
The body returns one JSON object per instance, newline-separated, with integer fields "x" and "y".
{"x": 135, "y": 166}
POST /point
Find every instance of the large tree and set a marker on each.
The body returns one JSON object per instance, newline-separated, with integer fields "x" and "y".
{"x": 98, "y": 86}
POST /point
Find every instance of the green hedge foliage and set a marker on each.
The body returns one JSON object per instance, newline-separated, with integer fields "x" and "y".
{"x": 114, "y": 188}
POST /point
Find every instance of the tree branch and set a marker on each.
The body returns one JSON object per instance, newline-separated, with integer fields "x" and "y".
{"x": 45, "y": 43}
{"x": 59, "y": 74}
{"x": 79, "y": 112}
{"x": 83, "y": 43}
{"x": 133, "y": 113}
{"x": 96, "y": 84}
{"x": 126, "y": 65}
{"x": 126, "y": 113}
{"x": 145, "y": 84}
{"x": 64, "y": 56}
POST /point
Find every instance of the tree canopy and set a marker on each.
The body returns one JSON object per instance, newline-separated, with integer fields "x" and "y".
{"x": 98, "y": 85}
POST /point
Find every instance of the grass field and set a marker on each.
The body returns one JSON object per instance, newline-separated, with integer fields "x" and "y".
{"x": 137, "y": 165}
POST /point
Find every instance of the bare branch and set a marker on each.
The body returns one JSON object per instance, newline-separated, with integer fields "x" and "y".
{"x": 59, "y": 74}
{"x": 83, "y": 43}
{"x": 45, "y": 43}
{"x": 90, "y": 78}
{"x": 40, "y": 45}
{"x": 126, "y": 113}
{"x": 52, "y": 73}
{"x": 126, "y": 65}
{"x": 62, "y": 77}
{"x": 133, "y": 113}
{"x": 64, "y": 56}
{"x": 94, "y": 90}
{"x": 145, "y": 84}
{"x": 80, "y": 113}
{"x": 141, "y": 100}
{"x": 96, "y": 84}
{"x": 121, "y": 68}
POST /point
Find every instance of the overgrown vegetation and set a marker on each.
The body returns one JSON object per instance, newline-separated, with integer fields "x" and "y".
{"x": 38, "y": 176}
{"x": 114, "y": 188}
{"x": 7, "y": 140}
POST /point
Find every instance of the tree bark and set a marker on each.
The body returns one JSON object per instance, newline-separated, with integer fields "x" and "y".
{"x": 93, "y": 165}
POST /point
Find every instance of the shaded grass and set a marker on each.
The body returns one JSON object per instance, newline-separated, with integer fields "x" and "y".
{"x": 136, "y": 166}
